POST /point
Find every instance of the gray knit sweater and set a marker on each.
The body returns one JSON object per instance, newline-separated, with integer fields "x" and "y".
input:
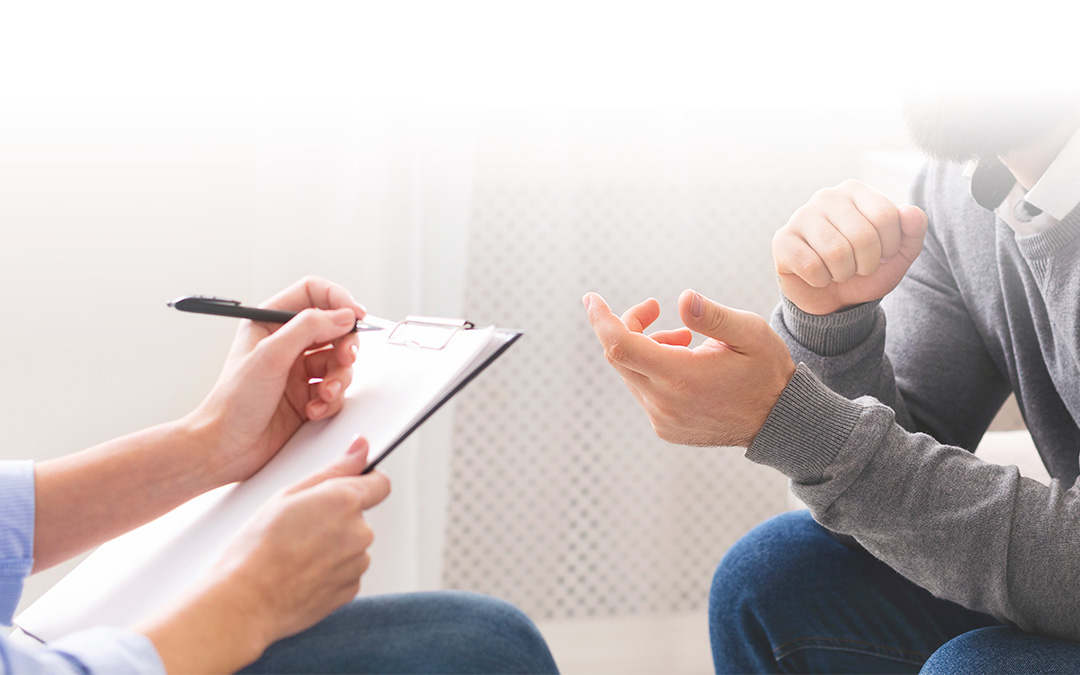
{"x": 982, "y": 312}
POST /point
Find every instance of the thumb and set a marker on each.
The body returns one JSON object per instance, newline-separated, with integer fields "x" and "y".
{"x": 733, "y": 327}
{"x": 913, "y": 224}
{"x": 349, "y": 464}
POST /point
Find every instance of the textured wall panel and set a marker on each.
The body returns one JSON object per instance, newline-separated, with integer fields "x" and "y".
{"x": 562, "y": 500}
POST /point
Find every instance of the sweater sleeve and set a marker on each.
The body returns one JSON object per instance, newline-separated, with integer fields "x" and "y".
{"x": 971, "y": 532}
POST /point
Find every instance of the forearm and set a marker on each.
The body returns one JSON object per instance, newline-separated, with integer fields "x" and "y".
{"x": 968, "y": 531}
{"x": 919, "y": 352}
{"x": 89, "y": 497}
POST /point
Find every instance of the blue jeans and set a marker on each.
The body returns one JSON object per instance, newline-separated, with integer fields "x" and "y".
{"x": 441, "y": 632}
{"x": 789, "y": 598}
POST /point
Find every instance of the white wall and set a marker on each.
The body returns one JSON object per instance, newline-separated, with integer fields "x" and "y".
{"x": 105, "y": 214}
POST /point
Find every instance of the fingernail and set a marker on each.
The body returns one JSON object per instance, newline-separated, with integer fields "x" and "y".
{"x": 586, "y": 301}
{"x": 333, "y": 388}
{"x": 343, "y": 319}
{"x": 354, "y": 349}
{"x": 696, "y": 306}
{"x": 318, "y": 408}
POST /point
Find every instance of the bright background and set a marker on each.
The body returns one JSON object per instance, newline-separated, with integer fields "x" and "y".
{"x": 495, "y": 160}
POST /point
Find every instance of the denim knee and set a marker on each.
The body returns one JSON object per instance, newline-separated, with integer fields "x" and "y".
{"x": 1002, "y": 649}
{"x": 511, "y": 639}
{"x": 753, "y": 589}
{"x": 441, "y": 631}
{"x": 762, "y": 565}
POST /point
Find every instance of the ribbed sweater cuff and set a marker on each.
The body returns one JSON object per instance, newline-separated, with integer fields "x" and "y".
{"x": 805, "y": 430}
{"x": 831, "y": 334}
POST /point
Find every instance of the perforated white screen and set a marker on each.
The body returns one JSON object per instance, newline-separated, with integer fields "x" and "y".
{"x": 562, "y": 499}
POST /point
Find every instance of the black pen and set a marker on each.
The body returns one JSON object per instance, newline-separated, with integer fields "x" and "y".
{"x": 201, "y": 304}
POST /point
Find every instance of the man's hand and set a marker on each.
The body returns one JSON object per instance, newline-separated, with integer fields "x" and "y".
{"x": 277, "y": 377}
{"x": 717, "y": 394}
{"x": 848, "y": 245}
{"x": 299, "y": 558}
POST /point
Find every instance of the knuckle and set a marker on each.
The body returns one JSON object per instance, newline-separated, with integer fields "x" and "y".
{"x": 367, "y": 536}
{"x": 803, "y": 260}
{"x": 864, "y": 239}
{"x": 835, "y": 253}
{"x": 340, "y": 498}
{"x": 759, "y": 327}
{"x": 715, "y": 321}
{"x": 822, "y": 197}
{"x": 307, "y": 315}
{"x": 660, "y": 429}
{"x": 375, "y": 486}
{"x": 663, "y": 414}
{"x": 354, "y": 546}
{"x": 269, "y": 353}
{"x": 797, "y": 216}
{"x": 668, "y": 433}
{"x": 783, "y": 242}
{"x": 882, "y": 212}
{"x": 616, "y": 354}
{"x": 808, "y": 268}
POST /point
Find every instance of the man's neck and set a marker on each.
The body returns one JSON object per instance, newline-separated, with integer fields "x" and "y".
{"x": 1029, "y": 164}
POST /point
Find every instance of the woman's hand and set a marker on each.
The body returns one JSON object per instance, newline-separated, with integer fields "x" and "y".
{"x": 278, "y": 376}
{"x": 299, "y": 558}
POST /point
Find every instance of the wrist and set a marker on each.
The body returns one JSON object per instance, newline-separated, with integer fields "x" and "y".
{"x": 801, "y": 450}
{"x": 201, "y": 434}
{"x": 770, "y": 400}
{"x": 217, "y": 628}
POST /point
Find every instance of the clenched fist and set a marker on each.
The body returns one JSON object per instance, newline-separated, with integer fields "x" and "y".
{"x": 848, "y": 245}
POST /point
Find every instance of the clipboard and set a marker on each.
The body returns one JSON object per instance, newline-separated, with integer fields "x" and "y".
{"x": 404, "y": 372}
{"x": 423, "y": 332}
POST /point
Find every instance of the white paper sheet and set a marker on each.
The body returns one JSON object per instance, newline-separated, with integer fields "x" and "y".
{"x": 393, "y": 387}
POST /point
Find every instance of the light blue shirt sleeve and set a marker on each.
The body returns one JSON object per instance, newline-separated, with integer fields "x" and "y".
{"x": 16, "y": 533}
{"x": 98, "y": 650}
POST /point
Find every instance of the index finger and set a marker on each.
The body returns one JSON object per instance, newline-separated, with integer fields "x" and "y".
{"x": 622, "y": 346}
{"x": 642, "y": 315}
{"x": 880, "y": 212}
{"x": 315, "y": 292}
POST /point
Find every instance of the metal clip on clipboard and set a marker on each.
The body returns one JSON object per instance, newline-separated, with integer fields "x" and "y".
{"x": 426, "y": 332}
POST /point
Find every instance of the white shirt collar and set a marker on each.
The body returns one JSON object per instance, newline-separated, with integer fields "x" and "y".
{"x": 1053, "y": 197}
{"x": 1058, "y": 191}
